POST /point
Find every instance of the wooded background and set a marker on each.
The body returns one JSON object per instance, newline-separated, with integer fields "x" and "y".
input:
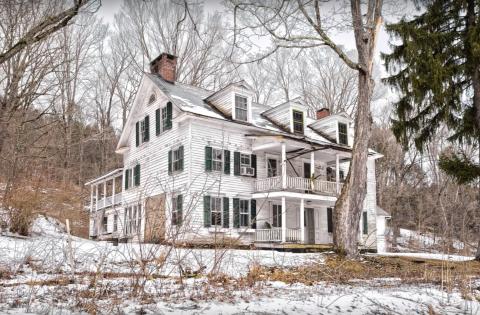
{"x": 64, "y": 101}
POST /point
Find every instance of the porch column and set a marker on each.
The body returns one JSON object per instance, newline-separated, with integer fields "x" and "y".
{"x": 312, "y": 169}
{"x": 113, "y": 191}
{"x": 337, "y": 171}
{"x": 284, "y": 221}
{"x": 302, "y": 221}
{"x": 284, "y": 167}
{"x": 104, "y": 191}
{"x": 96, "y": 201}
{"x": 91, "y": 198}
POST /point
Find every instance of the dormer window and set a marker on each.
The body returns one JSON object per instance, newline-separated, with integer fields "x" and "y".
{"x": 297, "y": 121}
{"x": 342, "y": 133}
{"x": 241, "y": 108}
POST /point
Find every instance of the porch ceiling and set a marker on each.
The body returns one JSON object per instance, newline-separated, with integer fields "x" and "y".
{"x": 295, "y": 149}
{"x": 294, "y": 197}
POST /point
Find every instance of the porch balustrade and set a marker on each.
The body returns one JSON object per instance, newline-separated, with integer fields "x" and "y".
{"x": 107, "y": 202}
{"x": 305, "y": 184}
{"x": 275, "y": 235}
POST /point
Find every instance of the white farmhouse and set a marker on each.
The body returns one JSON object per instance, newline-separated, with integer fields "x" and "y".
{"x": 210, "y": 167}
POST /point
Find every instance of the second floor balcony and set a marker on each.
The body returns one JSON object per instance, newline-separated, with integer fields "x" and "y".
{"x": 298, "y": 183}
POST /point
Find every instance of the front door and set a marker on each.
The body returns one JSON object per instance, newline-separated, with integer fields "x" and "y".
{"x": 306, "y": 170}
{"x": 310, "y": 221}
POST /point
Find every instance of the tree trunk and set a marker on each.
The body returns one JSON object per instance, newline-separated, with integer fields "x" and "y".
{"x": 349, "y": 206}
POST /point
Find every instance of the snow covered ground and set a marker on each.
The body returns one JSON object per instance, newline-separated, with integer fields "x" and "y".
{"x": 36, "y": 280}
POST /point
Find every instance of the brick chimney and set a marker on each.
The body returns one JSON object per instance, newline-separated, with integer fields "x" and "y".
{"x": 165, "y": 66}
{"x": 324, "y": 112}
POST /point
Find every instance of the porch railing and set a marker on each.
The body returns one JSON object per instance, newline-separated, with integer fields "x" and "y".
{"x": 275, "y": 235}
{"x": 109, "y": 201}
{"x": 305, "y": 184}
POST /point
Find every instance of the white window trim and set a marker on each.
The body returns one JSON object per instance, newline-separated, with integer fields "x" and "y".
{"x": 249, "y": 158}
{"x": 176, "y": 148}
{"x": 272, "y": 157}
{"x": 221, "y": 213}
{"x": 271, "y": 212}
{"x": 249, "y": 106}
{"x": 248, "y": 212}
{"x": 141, "y": 129}
{"x": 163, "y": 124}
{"x": 338, "y": 132}
{"x": 222, "y": 161}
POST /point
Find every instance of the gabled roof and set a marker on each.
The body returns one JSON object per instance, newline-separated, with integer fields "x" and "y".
{"x": 382, "y": 213}
{"x": 190, "y": 99}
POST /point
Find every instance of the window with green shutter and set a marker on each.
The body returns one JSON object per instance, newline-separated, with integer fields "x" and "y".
{"x": 330, "y": 220}
{"x": 137, "y": 134}
{"x": 226, "y": 163}
{"x": 175, "y": 160}
{"x": 206, "y": 211}
{"x": 236, "y": 212}
{"x": 126, "y": 179}
{"x": 236, "y": 163}
{"x": 170, "y": 161}
{"x": 146, "y": 135}
{"x": 253, "y": 160}
{"x": 157, "y": 121}
{"x": 365, "y": 222}
{"x": 253, "y": 213}
{"x": 136, "y": 174}
{"x": 179, "y": 209}
{"x": 169, "y": 116}
{"x": 226, "y": 212}
{"x": 208, "y": 159}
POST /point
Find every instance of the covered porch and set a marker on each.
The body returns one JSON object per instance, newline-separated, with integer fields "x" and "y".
{"x": 290, "y": 218}
{"x": 292, "y": 164}
{"x": 106, "y": 191}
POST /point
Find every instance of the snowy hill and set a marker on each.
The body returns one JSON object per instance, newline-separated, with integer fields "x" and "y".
{"x": 36, "y": 279}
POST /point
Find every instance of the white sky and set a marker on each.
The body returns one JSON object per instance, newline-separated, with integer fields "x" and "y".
{"x": 110, "y": 7}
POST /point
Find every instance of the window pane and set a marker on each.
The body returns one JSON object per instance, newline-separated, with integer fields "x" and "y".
{"x": 216, "y": 210}
{"x": 241, "y": 108}
{"x": 272, "y": 168}
{"x": 164, "y": 119}
{"x": 245, "y": 159}
{"x": 217, "y": 159}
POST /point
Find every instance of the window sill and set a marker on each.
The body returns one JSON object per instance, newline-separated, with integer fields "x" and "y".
{"x": 218, "y": 230}
{"x": 175, "y": 173}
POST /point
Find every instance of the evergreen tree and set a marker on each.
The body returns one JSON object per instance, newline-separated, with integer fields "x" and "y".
{"x": 436, "y": 71}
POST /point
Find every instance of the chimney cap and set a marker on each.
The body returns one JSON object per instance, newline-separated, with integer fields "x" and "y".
{"x": 169, "y": 56}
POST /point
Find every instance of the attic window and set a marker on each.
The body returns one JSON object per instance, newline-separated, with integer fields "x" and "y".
{"x": 297, "y": 121}
{"x": 152, "y": 98}
{"x": 241, "y": 108}
{"x": 342, "y": 133}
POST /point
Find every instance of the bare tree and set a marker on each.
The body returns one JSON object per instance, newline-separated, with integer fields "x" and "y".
{"x": 47, "y": 17}
{"x": 306, "y": 24}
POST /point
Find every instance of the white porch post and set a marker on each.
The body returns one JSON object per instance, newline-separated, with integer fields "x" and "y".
{"x": 284, "y": 167}
{"x": 284, "y": 221}
{"x": 91, "y": 198}
{"x": 96, "y": 201}
{"x": 312, "y": 169}
{"x": 104, "y": 195}
{"x": 302, "y": 221}
{"x": 337, "y": 171}
{"x": 113, "y": 191}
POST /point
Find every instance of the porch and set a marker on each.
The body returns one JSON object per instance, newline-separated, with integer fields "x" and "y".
{"x": 293, "y": 218}
{"x": 106, "y": 191}
{"x": 298, "y": 183}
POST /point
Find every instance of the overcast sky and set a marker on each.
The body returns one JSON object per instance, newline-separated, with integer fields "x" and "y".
{"x": 110, "y": 7}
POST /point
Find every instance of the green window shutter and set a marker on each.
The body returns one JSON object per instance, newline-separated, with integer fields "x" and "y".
{"x": 365, "y": 223}
{"x": 330, "y": 220}
{"x": 226, "y": 212}
{"x": 157, "y": 121}
{"x": 170, "y": 161}
{"x": 136, "y": 174}
{"x": 208, "y": 159}
{"x": 169, "y": 115}
{"x": 180, "y": 158}
{"x": 226, "y": 162}
{"x": 236, "y": 212}
{"x": 253, "y": 213}
{"x": 126, "y": 179}
{"x": 179, "y": 209}
{"x": 147, "y": 128}
{"x": 206, "y": 211}
{"x": 236, "y": 163}
{"x": 253, "y": 161}
{"x": 137, "y": 134}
